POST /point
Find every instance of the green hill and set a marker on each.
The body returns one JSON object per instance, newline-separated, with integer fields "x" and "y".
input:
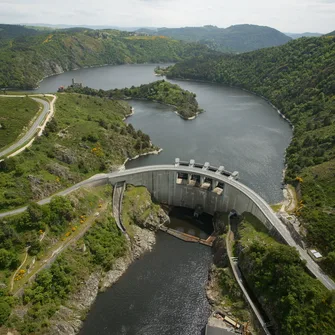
{"x": 235, "y": 39}
{"x": 25, "y": 60}
{"x": 298, "y": 78}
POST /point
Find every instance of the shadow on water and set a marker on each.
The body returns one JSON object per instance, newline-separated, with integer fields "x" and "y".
{"x": 183, "y": 220}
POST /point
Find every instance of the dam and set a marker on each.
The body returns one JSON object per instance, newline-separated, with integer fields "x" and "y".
{"x": 191, "y": 185}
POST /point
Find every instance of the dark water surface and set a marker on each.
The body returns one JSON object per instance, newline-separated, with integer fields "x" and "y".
{"x": 163, "y": 292}
{"x": 183, "y": 220}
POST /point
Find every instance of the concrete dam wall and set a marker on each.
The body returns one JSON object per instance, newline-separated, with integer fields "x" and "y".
{"x": 193, "y": 187}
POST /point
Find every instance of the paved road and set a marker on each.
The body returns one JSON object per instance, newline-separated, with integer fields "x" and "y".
{"x": 31, "y": 132}
{"x": 238, "y": 278}
{"x": 279, "y": 226}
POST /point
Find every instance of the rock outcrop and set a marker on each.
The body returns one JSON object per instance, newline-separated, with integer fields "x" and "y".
{"x": 68, "y": 319}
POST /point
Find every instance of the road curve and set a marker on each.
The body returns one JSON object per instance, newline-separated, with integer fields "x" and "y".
{"x": 16, "y": 147}
{"x": 257, "y": 200}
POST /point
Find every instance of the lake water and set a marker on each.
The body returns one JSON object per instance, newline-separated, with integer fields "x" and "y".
{"x": 163, "y": 293}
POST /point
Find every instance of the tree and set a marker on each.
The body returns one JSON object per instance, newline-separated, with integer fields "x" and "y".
{"x": 4, "y": 312}
{"x": 7, "y": 259}
{"x": 35, "y": 212}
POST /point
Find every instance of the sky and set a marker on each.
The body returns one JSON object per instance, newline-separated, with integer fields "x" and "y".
{"x": 285, "y": 15}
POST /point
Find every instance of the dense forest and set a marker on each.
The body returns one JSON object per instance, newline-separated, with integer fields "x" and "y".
{"x": 161, "y": 91}
{"x": 234, "y": 39}
{"x": 25, "y": 60}
{"x": 295, "y": 302}
{"x": 298, "y": 78}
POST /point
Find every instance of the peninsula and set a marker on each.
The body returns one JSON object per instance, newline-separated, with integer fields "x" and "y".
{"x": 160, "y": 91}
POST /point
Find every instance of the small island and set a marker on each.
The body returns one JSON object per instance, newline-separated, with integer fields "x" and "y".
{"x": 160, "y": 91}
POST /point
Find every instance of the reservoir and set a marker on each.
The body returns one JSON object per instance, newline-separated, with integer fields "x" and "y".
{"x": 163, "y": 292}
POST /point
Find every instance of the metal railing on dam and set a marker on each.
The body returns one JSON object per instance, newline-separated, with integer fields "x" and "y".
{"x": 162, "y": 182}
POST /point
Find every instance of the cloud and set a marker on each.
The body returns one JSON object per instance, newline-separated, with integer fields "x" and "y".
{"x": 285, "y": 15}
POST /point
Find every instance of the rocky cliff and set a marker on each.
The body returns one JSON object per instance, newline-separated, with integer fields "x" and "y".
{"x": 143, "y": 218}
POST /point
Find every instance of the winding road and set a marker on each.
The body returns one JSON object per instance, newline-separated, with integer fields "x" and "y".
{"x": 103, "y": 179}
{"x": 36, "y": 129}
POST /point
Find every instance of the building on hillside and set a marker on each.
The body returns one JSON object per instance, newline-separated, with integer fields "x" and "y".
{"x": 76, "y": 85}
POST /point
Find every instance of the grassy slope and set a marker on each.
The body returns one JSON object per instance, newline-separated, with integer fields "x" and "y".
{"x": 26, "y": 60}
{"x": 299, "y": 79}
{"x": 296, "y": 302}
{"x": 15, "y": 114}
{"x": 89, "y": 137}
{"x": 104, "y": 243}
{"x": 55, "y": 286}
{"x": 136, "y": 206}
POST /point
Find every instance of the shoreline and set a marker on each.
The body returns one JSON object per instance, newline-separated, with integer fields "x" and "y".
{"x": 70, "y": 317}
{"x": 80, "y": 68}
{"x": 153, "y": 152}
{"x": 130, "y": 114}
{"x": 262, "y": 97}
{"x": 164, "y": 104}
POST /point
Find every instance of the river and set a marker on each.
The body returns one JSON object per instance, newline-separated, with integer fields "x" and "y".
{"x": 163, "y": 292}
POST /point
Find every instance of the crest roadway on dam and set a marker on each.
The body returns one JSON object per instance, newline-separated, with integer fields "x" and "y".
{"x": 161, "y": 181}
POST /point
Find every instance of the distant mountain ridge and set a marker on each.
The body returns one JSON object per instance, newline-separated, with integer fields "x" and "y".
{"x": 234, "y": 39}
{"x": 12, "y": 31}
{"x": 306, "y": 34}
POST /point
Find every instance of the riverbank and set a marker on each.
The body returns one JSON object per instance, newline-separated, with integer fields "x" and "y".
{"x": 255, "y": 94}
{"x": 68, "y": 320}
{"x": 240, "y": 88}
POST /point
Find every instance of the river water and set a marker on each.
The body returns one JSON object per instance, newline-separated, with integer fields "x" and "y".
{"x": 163, "y": 292}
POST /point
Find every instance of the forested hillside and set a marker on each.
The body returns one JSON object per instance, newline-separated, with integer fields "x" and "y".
{"x": 237, "y": 38}
{"x": 295, "y": 302}
{"x": 27, "y": 59}
{"x": 299, "y": 78}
